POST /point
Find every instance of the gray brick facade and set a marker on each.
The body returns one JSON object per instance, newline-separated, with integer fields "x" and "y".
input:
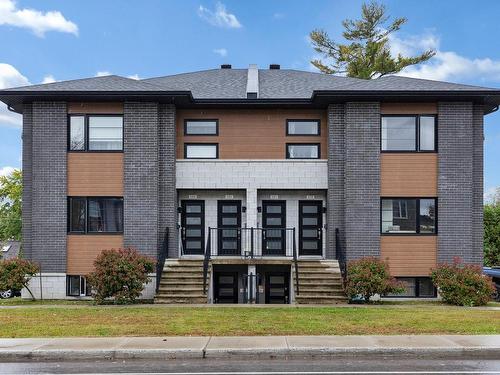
{"x": 167, "y": 199}
{"x": 477, "y": 184}
{"x": 140, "y": 122}
{"x": 362, "y": 179}
{"x": 49, "y": 193}
{"x": 27, "y": 180}
{"x": 336, "y": 178}
{"x": 455, "y": 181}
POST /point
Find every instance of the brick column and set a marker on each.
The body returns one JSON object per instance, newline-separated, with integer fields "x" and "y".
{"x": 362, "y": 179}
{"x": 27, "y": 180}
{"x": 455, "y": 181}
{"x": 167, "y": 199}
{"x": 477, "y": 185}
{"x": 141, "y": 177}
{"x": 336, "y": 160}
{"x": 49, "y": 192}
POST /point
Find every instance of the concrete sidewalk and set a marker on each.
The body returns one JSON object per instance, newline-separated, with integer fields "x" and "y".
{"x": 484, "y": 346}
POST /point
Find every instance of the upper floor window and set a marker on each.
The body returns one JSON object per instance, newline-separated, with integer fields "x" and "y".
{"x": 302, "y": 151}
{"x": 95, "y": 133}
{"x": 409, "y": 216}
{"x": 408, "y": 133}
{"x": 201, "y": 127}
{"x": 95, "y": 215}
{"x": 201, "y": 150}
{"x": 303, "y": 127}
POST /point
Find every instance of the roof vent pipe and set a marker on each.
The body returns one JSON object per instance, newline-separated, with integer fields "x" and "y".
{"x": 253, "y": 82}
{"x": 274, "y": 66}
{"x": 225, "y": 66}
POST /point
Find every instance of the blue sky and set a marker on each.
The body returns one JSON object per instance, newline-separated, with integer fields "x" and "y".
{"x": 60, "y": 40}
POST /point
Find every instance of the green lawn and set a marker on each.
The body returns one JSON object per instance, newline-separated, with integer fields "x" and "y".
{"x": 140, "y": 320}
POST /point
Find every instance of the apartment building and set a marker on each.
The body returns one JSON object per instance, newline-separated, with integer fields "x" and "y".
{"x": 251, "y": 185}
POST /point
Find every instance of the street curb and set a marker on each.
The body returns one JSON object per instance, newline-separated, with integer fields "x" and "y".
{"x": 169, "y": 354}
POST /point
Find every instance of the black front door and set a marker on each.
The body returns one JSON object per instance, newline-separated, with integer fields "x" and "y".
{"x": 310, "y": 227}
{"x": 273, "y": 224}
{"x": 229, "y": 224}
{"x": 277, "y": 287}
{"x": 193, "y": 227}
{"x": 226, "y": 287}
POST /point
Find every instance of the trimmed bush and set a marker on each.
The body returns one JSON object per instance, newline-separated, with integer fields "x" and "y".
{"x": 16, "y": 273}
{"x": 463, "y": 284}
{"x": 120, "y": 274}
{"x": 369, "y": 276}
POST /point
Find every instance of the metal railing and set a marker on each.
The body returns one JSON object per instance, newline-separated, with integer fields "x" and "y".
{"x": 162, "y": 256}
{"x": 251, "y": 242}
{"x": 340, "y": 254}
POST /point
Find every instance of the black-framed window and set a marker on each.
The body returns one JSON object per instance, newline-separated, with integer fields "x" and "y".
{"x": 303, "y": 127}
{"x": 416, "y": 287}
{"x": 95, "y": 215}
{"x": 415, "y": 133}
{"x": 302, "y": 151}
{"x": 408, "y": 215}
{"x": 77, "y": 286}
{"x": 201, "y": 150}
{"x": 201, "y": 127}
{"x": 95, "y": 133}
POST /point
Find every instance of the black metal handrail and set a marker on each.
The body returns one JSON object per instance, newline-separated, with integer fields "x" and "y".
{"x": 252, "y": 242}
{"x": 206, "y": 262}
{"x": 162, "y": 257}
{"x": 340, "y": 254}
{"x": 295, "y": 262}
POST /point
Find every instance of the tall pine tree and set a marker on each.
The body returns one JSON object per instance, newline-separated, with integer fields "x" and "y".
{"x": 368, "y": 54}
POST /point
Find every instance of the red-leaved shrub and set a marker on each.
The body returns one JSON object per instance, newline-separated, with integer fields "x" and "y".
{"x": 369, "y": 276}
{"x": 462, "y": 284}
{"x": 120, "y": 274}
{"x": 16, "y": 273}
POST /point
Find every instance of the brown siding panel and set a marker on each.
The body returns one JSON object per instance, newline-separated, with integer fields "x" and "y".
{"x": 408, "y": 175}
{"x": 84, "y": 249}
{"x": 252, "y": 134}
{"x": 96, "y": 108}
{"x": 409, "y": 255}
{"x": 95, "y": 174}
{"x": 408, "y": 108}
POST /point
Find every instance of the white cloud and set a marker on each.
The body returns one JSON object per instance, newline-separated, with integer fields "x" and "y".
{"x": 37, "y": 21}
{"x": 134, "y": 76}
{"x": 49, "y": 79}
{"x": 102, "y": 73}
{"x": 445, "y": 65}
{"x": 220, "y": 51}
{"x": 219, "y": 17}
{"x": 5, "y": 171}
{"x": 492, "y": 195}
{"x": 10, "y": 77}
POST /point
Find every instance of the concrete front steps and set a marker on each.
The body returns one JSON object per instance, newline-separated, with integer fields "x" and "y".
{"x": 182, "y": 282}
{"x": 320, "y": 282}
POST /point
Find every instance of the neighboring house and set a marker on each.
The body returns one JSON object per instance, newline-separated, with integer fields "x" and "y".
{"x": 9, "y": 249}
{"x": 264, "y": 179}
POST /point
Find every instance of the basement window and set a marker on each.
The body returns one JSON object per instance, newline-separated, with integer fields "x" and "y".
{"x": 76, "y": 286}
{"x": 416, "y": 287}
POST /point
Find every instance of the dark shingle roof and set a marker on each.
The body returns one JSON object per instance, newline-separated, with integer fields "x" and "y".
{"x": 231, "y": 84}
{"x": 105, "y": 83}
{"x": 207, "y": 84}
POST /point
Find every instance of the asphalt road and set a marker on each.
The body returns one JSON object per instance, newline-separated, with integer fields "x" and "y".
{"x": 232, "y": 366}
